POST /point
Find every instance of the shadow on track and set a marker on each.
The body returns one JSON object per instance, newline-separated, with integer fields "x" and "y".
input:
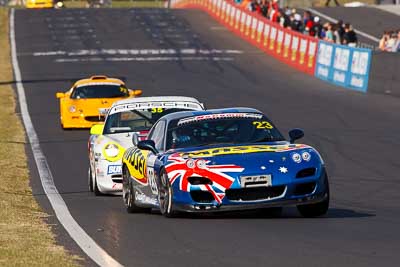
{"x": 288, "y": 213}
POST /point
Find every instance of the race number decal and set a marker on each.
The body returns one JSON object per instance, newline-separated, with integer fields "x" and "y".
{"x": 152, "y": 180}
{"x": 157, "y": 110}
{"x": 151, "y": 176}
{"x": 262, "y": 125}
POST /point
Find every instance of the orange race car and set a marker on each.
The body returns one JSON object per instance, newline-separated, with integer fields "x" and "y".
{"x": 88, "y": 100}
{"x": 39, "y": 3}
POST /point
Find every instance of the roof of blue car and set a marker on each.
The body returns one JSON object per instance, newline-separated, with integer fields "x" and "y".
{"x": 184, "y": 114}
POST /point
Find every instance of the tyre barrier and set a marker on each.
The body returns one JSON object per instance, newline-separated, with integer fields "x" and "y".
{"x": 338, "y": 64}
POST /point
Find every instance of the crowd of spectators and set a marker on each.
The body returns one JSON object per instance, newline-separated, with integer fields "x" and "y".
{"x": 390, "y": 41}
{"x": 290, "y": 18}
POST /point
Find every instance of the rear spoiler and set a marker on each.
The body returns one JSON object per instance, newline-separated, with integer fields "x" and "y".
{"x": 122, "y": 78}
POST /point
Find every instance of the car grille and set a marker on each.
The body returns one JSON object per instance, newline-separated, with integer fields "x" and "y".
{"x": 95, "y": 118}
{"x": 117, "y": 178}
{"x": 201, "y": 196}
{"x": 254, "y": 193}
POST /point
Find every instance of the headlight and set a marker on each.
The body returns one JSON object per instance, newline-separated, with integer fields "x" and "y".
{"x": 306, "y": 156}
{"x": 296, "y": 157}
{"x": 201, "y": 163}
{"x": 72, "y": 109}
{"x": 190, "y": 163}
{"x": 111, "y": 150}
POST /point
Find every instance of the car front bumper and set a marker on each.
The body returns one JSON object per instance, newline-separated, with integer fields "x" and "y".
{"x": 288, "y": 197}
{"x": 109, "y": 181}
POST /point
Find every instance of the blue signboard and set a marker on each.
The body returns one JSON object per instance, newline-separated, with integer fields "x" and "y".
{"x": 343, "y": 65}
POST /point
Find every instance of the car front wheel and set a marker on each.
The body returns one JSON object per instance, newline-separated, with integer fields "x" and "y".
{"x": 316, "y": 209}
{"x": 165, "y": 194}
{"x": 128, "y": 194}
{"x": 90, "y": 180}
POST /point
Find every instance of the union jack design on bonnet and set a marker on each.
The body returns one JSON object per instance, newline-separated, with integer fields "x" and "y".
{"x": 181, "y": 169}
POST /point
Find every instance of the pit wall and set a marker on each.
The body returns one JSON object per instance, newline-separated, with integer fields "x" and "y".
{"x": 337, "y": 64}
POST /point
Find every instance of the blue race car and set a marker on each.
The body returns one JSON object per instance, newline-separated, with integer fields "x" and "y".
{"x": 220, "y": 160}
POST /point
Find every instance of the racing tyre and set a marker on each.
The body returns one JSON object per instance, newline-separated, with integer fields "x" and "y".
{"x": 90, "y": 180}
{"x": 316, "y": 209}
{"x": 128, "y": 194}
{"x": 96, "y": 188}
{"x": 165, "y": 194}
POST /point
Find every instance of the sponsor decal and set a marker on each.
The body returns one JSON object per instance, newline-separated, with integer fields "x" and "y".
{"x": 240, "y": 150}
{"x": 218, "y": 116}
{"x": 283, "y": 169}
{"x": 135, "y": 159}
{"x": 155, "y": 106}
{"x": 180, "y": 169}
{"x": 114, "y": 169}
{"x": 140, "y": 197}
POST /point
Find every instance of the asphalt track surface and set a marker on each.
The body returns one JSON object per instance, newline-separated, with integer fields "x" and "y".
{"x": 356, "y": 133}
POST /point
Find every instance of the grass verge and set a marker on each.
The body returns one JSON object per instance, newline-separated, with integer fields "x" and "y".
{"x": 25, "y": 239}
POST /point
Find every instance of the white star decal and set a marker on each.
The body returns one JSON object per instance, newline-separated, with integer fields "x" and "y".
{"x": 283, "y": 169}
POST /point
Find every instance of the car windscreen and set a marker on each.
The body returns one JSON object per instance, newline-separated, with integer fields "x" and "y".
{"x": 225, "y": 128}
{"x": 105, "y": 90}
{"x": 135, "y": 120}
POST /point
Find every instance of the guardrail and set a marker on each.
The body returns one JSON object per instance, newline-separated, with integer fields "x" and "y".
{"x": 342, "y": 65}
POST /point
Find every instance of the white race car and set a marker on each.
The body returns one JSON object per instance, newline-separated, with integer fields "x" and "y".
{"x": 126, "y": 119}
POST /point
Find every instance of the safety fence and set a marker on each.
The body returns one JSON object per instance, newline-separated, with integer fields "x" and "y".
{"x": 293, "y": 48}
{"x": 338, "y": 64}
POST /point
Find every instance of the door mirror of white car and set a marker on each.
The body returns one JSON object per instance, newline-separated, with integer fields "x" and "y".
{"x": 97, "y": 129}
{"x": 135, "y": 139}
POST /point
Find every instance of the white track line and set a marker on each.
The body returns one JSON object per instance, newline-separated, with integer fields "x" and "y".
{"x": 142, "y": 59}
{"x": 84, "y": 241}
{"x": 366, "y": 35}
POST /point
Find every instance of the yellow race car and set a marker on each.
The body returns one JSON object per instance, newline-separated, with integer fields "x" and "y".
{"x": 86, "y": 103}
{"x": 39, "y": 4}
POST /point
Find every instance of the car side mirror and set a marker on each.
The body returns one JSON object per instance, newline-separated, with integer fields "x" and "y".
{"x": 97, "y": 129}
{"x": 137, "y": 92}
{"x": 60, "y": 95}
{"x": 147, "y": 145}
{"x": 135, "y": 139}
{"x": 295, "y": 134}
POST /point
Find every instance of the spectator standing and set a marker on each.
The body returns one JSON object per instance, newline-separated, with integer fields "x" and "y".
{"x": 264, "y": 8}
{"x": 297, "y": 24}
{"x": 329, "y": 32}
{"x": 328, "y": 1}
{"x": 384, "y": 41}
{"x": 285, "y": 18}
{"x": 317, "y": 28}
{"x": 396, "y": 46}
{"x": 336, "y": 35}
{"x": 308, "y": 23}
{"x": 349, "y": 36}
{"x": 391, "y": 41}
{"x": 340, "y": 31}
